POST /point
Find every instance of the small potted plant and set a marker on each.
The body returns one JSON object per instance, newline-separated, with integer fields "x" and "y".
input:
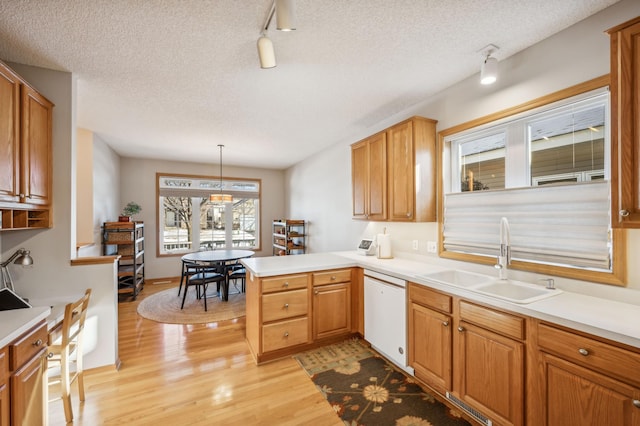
{"x": 132, "y": 208}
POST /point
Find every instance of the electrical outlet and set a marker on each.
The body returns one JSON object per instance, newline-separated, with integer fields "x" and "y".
{"x": 432, "y": 247}
{"x": 414, "y": 244}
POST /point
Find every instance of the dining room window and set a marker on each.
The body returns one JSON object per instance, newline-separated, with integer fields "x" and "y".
{"x": 188, "y": 221}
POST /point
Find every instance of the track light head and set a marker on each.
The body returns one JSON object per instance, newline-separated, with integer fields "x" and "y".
{"x": 266, "y": 52}
{"x": 285, "y": 15}
{"x": 489, "y": 69}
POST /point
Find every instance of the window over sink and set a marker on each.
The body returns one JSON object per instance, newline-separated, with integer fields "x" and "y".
{"x": 545, "y": 167}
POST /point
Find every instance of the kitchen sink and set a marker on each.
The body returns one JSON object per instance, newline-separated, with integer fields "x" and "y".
{"x": 456, "y": 278}
{"x": 515, "y": 291}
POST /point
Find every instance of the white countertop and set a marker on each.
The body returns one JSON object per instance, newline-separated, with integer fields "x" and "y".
{"x": 15, "y": 322}
{"x": 609, "y": 319}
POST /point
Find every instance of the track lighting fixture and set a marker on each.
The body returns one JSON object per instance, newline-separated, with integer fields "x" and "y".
{"x": 489, "y": 70}
{"x": 285, "y": 21}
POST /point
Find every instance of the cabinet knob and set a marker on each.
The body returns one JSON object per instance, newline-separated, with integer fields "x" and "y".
{"x": 408, "y": 214}
{"x": 286, "y": 306}
{"x": 316, "y": 292}
{"x": 285, "y": 284}
{"x": 636, "y": 403}
{"x": 445, "y": 323}
{"x": 37, "y": 343}
{"x": 333, "y": 278}
{"x": 583, "y": 352}
{"x": 286, "y": 334}
{"x": 624, "y": 213}
{"x": 460, "y": 328}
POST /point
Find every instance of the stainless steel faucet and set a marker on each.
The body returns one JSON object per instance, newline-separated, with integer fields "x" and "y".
{"x": 504, "y": 257}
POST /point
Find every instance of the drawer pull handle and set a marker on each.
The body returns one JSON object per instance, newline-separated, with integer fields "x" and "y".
{"x": 285, "y": 284}
{"x": 460, "y": 328}
{"x": 583, "y": 352}
{"x": 445, "y": 323}
{"x": 37, "y": 343}
{"x": 636, "y": 403}
{"x": 624, "y": 213}
{"x": 333, "y": 278}
{"x": 286, "y": 334}
{"x": 286, "y": 306}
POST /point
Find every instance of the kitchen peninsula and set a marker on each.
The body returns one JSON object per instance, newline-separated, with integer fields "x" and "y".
{"x": 583, "y": 344}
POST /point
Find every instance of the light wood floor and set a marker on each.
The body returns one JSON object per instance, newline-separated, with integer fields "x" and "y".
{"x": 193, "y": 375}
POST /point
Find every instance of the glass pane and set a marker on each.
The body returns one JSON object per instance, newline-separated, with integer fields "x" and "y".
{"x": 177, "y": 233}
{"x": 212, "y": 225}
{"x": 568, "y": 146}
{"x": 482, "y": 163}
{"x": 244, "y": 223}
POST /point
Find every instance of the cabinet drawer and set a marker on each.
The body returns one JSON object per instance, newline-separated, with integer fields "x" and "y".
{"x": 286, "y": 304}
{"x": 287, "y": 282}
{"x": 425, "y": 296}
{"x": 27, "y": 345}
{"x": 332, "y": 277}
{"x": 597, "y": 355}
{"x": 499, "y": 322}
{"x": 285, "y": 333}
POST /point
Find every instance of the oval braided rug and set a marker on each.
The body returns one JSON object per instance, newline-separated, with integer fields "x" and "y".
{"x": 165, "y": 307}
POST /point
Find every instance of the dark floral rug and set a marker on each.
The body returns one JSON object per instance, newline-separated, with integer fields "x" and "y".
{"x": 364, "y": 389}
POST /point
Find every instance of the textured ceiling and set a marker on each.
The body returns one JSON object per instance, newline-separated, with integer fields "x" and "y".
{"x": 171, "y": 79}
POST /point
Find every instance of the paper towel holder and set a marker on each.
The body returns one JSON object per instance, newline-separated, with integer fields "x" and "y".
{"x": 384, "y": 245}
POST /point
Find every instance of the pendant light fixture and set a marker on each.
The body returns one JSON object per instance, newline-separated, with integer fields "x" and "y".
{"x": 489, "y": 70}
{"x": 221, "y": 197}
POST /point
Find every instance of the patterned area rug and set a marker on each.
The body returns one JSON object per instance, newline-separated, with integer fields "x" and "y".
{"x": 165, "y": 307}
{"x": 366, "y": 390}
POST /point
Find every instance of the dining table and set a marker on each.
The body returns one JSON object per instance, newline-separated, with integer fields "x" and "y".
{"x": 218, "y": 258}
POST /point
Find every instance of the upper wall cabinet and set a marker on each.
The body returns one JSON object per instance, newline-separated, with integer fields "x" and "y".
{"x": 625, "y": 124}
{"x": 25, "y": 154}
{"x": 394, "y": 173}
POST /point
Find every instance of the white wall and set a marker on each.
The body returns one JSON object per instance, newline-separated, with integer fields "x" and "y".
{"x": 52, "y": 277}
{"x": 84, "y": 187}
{"x": 319, "y": 187}
{"x": 138, "y": 183}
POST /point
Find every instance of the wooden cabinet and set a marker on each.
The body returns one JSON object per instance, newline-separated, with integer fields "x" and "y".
{"x": 489, "y": 369}
{"x": 285, "y": 315}
{"x": 394, "y": 173}
{"x": 331, "y": 303}
{"x": 4, "y": 387}
{"x": 430, "y": 336}
{"x": 22, "y": 379}
{"x": 585, "y": 380}
{"x": 369, "y": 178}
{"x": 288, "y": 237}
{"x": 126, "y": 239}
{"x": 278, "y": 314}
{"x": 625, "y": 125}
{"x": 25, "y": 154}
{"x": 480, "y": 363}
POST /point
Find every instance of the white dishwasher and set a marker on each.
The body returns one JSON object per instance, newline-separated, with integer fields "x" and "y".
{"x": 385, "y": 316}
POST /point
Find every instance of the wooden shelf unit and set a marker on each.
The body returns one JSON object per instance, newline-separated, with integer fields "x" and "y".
{"x": 288, "y": 237}
{"x": 126, "y": 239}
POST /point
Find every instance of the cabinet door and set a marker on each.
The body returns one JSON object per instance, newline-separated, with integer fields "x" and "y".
{"x": 369, "y": 178}
{"x": 27, "y": 392}
{"x": 401, "y": 173}
{"x": 4, "y": 404}
{"x": 9, "y": 135}
{"x": 625, "y": 124}
{"x": 578, "y": 396}
{"x": 430, "y": 346}
{"x": 36, "y": 147}
{"x": 490, "y": 374}
{"x": 331, "y": 310}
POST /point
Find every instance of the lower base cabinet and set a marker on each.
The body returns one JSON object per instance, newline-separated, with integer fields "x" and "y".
{"x": 22, "y": 379}
{"x": 287, "y": 314}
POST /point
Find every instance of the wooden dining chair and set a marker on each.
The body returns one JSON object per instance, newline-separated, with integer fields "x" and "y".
{"x": 200, "y": 276}
{"x": 65, "y": 348}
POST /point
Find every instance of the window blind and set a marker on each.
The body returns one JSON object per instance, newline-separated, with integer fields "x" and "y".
{"x": 565, "y": 224}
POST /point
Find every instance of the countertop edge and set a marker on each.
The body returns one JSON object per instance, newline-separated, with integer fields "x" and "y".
{"x": 16, "y": 322}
